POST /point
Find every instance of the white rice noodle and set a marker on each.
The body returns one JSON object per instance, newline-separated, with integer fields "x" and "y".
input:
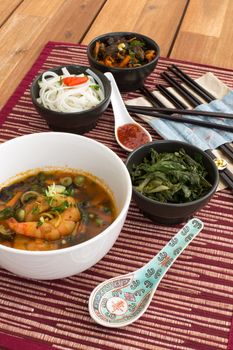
{"x": 57, "y": 96}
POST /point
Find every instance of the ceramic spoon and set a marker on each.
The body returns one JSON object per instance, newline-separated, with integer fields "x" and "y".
{"x": 121, "y": 300}
{"x": 122, "y": 116}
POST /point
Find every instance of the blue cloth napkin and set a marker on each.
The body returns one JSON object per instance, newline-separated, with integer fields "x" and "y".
{"x": 201, "y": 137}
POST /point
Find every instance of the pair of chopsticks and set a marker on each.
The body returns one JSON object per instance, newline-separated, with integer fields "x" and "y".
{"x": 181, "y": 108}
{"x": 206, "y": 95}
{"x": 175, "y": 115}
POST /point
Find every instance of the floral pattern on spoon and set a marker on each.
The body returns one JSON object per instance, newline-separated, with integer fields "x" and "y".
{"x": 123, "y": 299}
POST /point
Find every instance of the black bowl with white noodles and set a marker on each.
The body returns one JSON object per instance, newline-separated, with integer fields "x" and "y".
{"x": 71, "y": 98}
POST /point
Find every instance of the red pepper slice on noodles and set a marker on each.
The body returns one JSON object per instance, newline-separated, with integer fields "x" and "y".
{"x": 72, "y": 81}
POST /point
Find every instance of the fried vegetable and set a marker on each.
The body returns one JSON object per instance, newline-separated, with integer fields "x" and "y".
{"x": 171, "y": 177}
{"x": 125, "y": 61}
{"x": 123, "y": 52}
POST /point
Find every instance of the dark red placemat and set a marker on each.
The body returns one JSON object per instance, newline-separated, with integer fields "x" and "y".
{"x": 192, "y": 308}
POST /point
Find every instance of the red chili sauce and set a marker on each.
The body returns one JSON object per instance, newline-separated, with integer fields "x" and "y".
{"x": 132, "y": 136}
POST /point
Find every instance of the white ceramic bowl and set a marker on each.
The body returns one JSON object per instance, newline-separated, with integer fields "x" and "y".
{"x": 74, "y": 151}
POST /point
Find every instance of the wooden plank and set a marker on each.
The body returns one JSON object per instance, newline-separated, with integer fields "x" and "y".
{"x": 155, "y": 18}
{"x": 33, "y": 23}
{"x": 6, "y": 9}
{"x": 206, "y": 33}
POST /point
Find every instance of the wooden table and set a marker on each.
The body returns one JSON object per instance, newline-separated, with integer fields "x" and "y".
{"x": 194, "y": 30}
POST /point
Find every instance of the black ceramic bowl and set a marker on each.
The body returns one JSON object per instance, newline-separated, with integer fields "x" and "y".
{"x": 76, "y": 122}
{"x": 172, "y": 213}
{"x": 128, "y": 79}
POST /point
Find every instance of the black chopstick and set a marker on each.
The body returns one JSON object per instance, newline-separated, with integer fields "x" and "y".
{"x": 192, "y": 83}
{"x": 173, "y": 99}
{"x": 227, "y": 150}
{"x": 194, "y": 101}
{"x": 150, "y": 96}
{"x": 229, "y": 146}
{"x": 179, "y": 119}
{"x": 225, "y": 174}
{"x": 168, "y": 110}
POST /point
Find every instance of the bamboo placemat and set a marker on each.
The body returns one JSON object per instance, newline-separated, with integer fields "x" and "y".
{"x": 192, "y": 308}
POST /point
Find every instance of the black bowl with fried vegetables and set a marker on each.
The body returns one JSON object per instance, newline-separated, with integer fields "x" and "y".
{"x": 130, "y": 57}
{"x": 171, "y": 180}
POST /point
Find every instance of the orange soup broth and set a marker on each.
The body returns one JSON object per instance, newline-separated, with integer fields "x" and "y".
{"x": 90, "y": 201}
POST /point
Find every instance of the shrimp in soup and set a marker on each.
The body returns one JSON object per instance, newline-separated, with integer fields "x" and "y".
{"x": 54, "y": 209}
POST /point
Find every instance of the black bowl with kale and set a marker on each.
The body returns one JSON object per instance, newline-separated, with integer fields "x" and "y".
{"x": 130, "y": 57}
{"x": 171, "y": 180}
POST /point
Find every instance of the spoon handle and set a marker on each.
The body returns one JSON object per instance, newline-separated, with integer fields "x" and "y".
{"x": 118, "y": 105}
{"x": 158, "y": 266}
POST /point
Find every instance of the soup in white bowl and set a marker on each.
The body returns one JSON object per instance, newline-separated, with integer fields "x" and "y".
{"x": 72, "y": 158}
